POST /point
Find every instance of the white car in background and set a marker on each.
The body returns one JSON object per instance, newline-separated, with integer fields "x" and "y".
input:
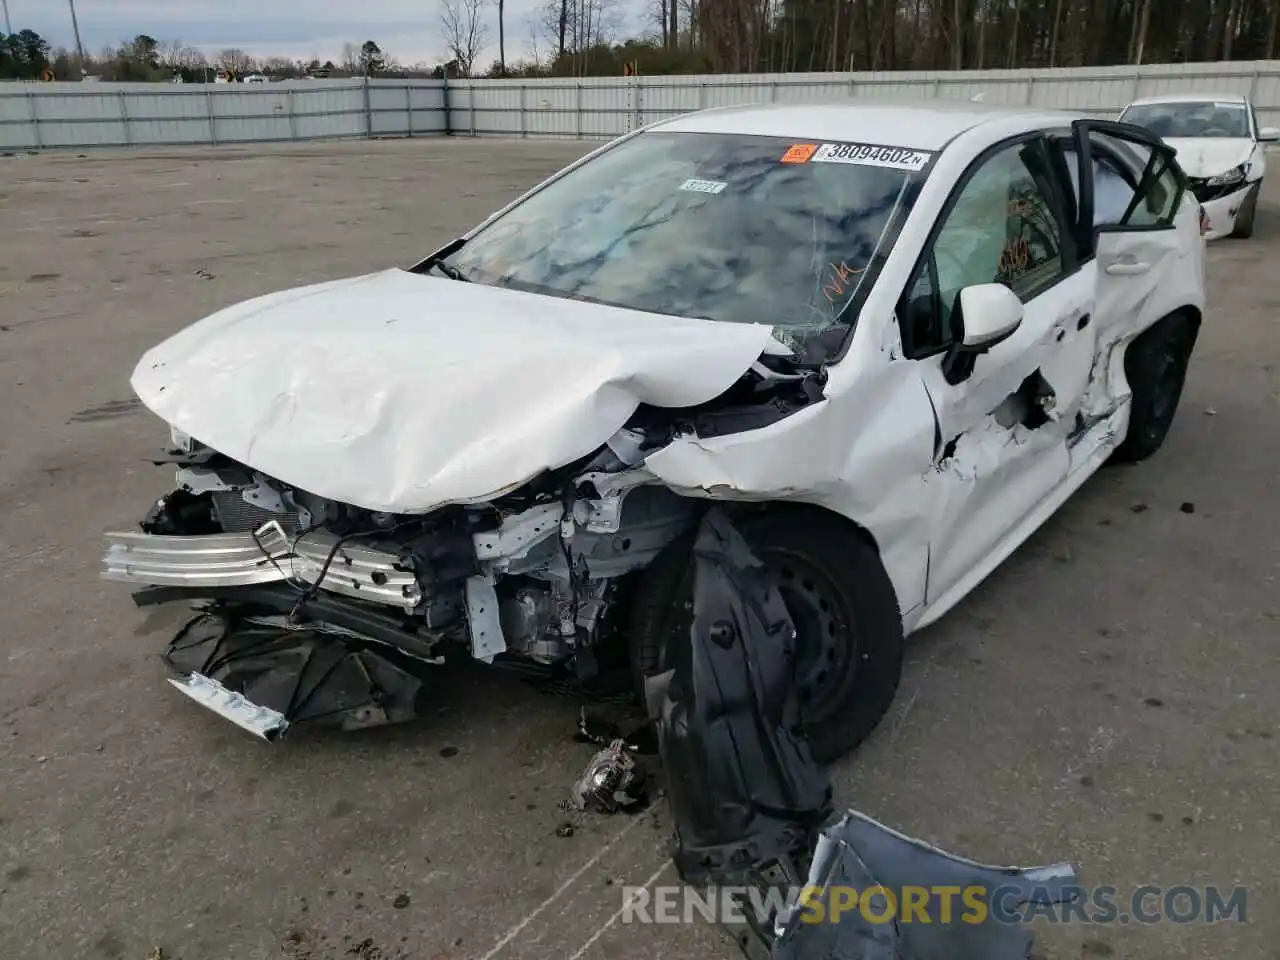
{"x": 889, "y": 339}
{"x": 1220, "y": 147}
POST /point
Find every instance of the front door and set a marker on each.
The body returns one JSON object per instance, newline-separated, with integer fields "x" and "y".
{"x": 1001, "y": 449}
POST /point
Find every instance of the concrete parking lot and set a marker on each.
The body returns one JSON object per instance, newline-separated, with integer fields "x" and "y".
{"x": 1110, "y": 696}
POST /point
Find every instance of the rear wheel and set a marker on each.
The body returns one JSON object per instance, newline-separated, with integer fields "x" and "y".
{"x": 1156, "y": 367}
{"x": 848, "y": 627}
{"x": 1243, "y": 228}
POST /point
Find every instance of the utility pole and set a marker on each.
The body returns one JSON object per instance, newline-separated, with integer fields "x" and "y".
{"x": 8, "y": 25}
{"x": 75, "y": 26}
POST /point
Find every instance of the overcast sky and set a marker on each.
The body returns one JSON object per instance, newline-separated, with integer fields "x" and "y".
{"x": 407, "y": 29}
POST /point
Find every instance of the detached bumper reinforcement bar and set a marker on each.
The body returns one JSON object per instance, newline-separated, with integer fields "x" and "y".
{"x": 268, "y": 555}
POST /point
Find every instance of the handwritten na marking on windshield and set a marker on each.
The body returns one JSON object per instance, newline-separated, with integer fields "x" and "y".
{"x": 838, "y": 281}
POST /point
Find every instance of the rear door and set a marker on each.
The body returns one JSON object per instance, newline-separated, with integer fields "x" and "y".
{"x": 1143, "y": 232}
{"x": 1149, "y": 253}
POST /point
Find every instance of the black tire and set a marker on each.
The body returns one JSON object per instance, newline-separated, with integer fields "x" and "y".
{"x": 1243, "y": 228}
{"x": 849, "y": 629}
{"x": 1156, "y": 366}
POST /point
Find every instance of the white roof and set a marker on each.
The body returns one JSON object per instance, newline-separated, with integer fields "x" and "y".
{"x": 1191, "y": 97}
{"x": 915, "y": 124}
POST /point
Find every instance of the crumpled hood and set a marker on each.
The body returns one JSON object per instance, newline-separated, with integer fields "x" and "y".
{"x": 1210, "y": 156}
{"x": 402, "y": 392}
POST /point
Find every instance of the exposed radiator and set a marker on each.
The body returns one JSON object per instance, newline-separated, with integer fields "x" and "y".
{"x": 239, "y": 516}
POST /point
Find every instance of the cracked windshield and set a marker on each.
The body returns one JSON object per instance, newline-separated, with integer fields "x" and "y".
{"x": 734, "y": 228}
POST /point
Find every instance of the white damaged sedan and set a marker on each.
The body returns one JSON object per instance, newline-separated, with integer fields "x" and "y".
{"x": 889, "y": 339}
{"x": 1220, "y": 147}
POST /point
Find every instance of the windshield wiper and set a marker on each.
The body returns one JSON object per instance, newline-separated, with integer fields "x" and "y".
{"x": 437, "y": 260}
{"x": 448, "y": 269}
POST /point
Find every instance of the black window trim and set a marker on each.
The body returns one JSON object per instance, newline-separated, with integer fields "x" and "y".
{"x": 1071, "y": 262}
{"x": 1084, "y": 236}
{"x": 1125, "y": 131}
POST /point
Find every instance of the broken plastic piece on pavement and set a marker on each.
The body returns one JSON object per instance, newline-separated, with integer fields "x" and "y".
{"x": 861, "y": 853}
{"x": 251, "y": 669}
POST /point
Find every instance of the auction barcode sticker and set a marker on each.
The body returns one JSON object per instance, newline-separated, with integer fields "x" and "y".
{"x": 872, "y": 155}
{"x": 704, "y": 186}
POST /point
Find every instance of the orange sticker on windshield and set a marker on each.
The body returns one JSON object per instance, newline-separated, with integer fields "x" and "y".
{"x": 799, "y": 153}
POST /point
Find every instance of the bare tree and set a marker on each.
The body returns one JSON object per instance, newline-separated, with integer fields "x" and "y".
{"x": 587, "y": 24}
{"x": 172, "y": 54}
{"x": 176, "y": 57}
{"x": 351, "y": 58}
{"x": 464, "y": 31}
{"x": 235, "y": 61}
{"x": 534, "y": 27}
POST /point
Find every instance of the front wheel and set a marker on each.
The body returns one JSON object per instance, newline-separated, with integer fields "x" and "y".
{"x": 1156, "y": 367}
{"x": 849, "y": 636}
{"x": 1243, "y": 228}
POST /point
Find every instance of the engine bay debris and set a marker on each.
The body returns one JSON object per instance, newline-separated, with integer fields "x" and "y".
{"x": 613, "y": 781}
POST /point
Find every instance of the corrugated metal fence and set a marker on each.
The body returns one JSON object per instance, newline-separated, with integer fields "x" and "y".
{"x": 35, "y": 116}
{"x": 600, "y": 107}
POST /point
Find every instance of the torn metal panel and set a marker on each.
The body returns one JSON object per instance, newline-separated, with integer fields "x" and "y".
{"x": 505, "y": 384}
{"x": 1221, "y": 210}
{"x": 260, "y": 721}
{"x": 1049, "y": 332}
{"x": 993, "y": 478}
{"x": 861, "y": 854}
{"x": 744, "y": 788}
{"x": 861, "y": 453}
{"x": 483, "y": 613}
